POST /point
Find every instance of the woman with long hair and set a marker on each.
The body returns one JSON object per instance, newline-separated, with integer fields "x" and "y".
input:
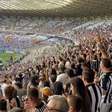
{"x": 78, "y": 89}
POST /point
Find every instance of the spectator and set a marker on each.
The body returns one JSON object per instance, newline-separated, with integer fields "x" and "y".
{"x": 33, "y": 82}
{"x": 71, "y": 74}
{"x": 34, "y": 102}
{"x": 11, "y": 96}
{"x": 3, "y": 86}
{"x": 62, "y": 77}
{"x": 20, "y": 90}
{"x": 68, "y": 64}
{"x": 106, "y": 84}
{"x": 75, "y": 103}
{"x": 94, "y": 90}
{"x": 46, "y": 92}
{"x": 78, "y": 89}
{"x": 57, "y": 103}
{"x": 42, "y": 81}
{"x": 79, "y": 66}
{"x": 58, "y": 88}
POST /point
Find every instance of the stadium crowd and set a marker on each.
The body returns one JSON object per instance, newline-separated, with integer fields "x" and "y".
{"x": 90, "y": 29}
{"x": 46, "y": 25}
{"x": 62, "y": 79}
{"x": 79, "y": 79}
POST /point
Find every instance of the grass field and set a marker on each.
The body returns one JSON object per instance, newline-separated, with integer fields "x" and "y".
{"x": 5, "y": 57}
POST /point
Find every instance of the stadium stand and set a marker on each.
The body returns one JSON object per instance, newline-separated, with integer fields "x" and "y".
{"x": 66, "y": 64}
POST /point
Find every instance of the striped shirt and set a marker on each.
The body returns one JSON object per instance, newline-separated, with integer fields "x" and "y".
{"x": 41, "y": 107}
{"x": 95, "y": 95}
{"x": 106, "y": 84}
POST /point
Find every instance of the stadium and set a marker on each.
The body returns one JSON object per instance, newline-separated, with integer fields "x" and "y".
{"x": 55, "y": 55}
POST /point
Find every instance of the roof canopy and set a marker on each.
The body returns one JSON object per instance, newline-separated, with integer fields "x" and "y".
{"x": 57, "y": 7}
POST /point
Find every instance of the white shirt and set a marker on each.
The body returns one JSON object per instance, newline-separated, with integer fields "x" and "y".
{"x": 3, "y": 86}
{"x": 63, "y": 78}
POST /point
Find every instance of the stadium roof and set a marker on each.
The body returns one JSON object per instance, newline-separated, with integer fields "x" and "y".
{"x": 56, "y": 7}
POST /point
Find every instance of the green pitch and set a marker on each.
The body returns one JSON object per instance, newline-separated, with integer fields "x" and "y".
{"x": 5, "y": 57}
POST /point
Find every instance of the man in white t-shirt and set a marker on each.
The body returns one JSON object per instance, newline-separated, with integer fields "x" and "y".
{"x": 62, "y": 77}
